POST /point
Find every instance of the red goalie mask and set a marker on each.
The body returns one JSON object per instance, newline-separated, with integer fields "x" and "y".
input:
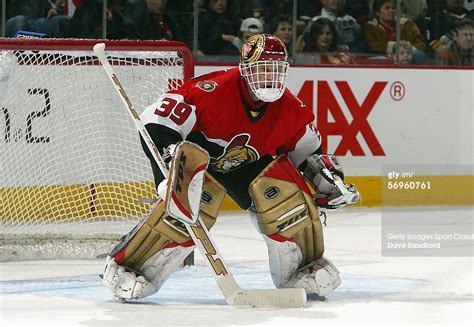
{"x": 263, "y": 64}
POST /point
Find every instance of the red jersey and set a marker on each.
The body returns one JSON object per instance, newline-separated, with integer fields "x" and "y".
{"x": 215, "y": 111}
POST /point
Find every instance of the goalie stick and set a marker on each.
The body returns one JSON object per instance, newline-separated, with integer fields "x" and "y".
{"x": 233, "y": 293}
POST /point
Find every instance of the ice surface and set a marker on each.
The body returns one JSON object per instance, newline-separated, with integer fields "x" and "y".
{"x": 375, "y": 291}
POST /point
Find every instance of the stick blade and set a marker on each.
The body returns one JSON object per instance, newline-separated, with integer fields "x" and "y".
{"x": 273, "y": 298}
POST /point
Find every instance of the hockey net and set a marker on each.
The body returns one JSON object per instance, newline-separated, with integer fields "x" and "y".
{"x": 74, "y": 177}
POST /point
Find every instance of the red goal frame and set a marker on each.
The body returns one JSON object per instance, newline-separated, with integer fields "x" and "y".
{"x": 113, "y": 45}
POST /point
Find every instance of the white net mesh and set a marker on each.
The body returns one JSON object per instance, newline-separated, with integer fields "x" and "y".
{"x": 73, "y": 175}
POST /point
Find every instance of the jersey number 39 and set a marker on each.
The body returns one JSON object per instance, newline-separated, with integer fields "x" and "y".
{"x": 178, "y": 112}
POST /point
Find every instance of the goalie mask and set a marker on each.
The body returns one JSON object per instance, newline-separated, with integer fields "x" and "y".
{"x": 263, "y": 65}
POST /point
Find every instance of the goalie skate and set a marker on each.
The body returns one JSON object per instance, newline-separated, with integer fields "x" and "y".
{"x": 320, "y": 277}
{"x": 125, "y": 284}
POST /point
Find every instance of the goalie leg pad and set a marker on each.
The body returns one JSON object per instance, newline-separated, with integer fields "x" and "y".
{"x": 153, "y": 235}
{"x": 144, "y": 259}
{"x": 159, "y": 267}
{"x": 161, "y": 230}
{"x": 213, "y": 195}
{"x": 284, "y": 208}
{"x": 320, "y": 276}
{"x": 284, "y": 258}
{"x": 286, "y": 214}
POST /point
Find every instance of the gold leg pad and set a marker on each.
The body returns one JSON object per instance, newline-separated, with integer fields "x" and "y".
{"x": 160, "y": 229}
{"x": 283, "y": 207}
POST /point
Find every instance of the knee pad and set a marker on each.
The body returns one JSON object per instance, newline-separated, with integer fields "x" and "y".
{"x": 285, "y": 210}
{"x": 161, "y": 231}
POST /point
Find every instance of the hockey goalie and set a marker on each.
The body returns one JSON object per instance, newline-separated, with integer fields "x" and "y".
{"x": 251, "y": 138}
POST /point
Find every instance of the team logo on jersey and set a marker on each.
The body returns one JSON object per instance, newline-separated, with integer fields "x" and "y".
{"x": 207, "y": 86}
{"x": 237, "y": 153}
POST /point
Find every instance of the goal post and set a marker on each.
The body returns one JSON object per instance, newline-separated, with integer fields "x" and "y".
{"x": 73, "y": 175}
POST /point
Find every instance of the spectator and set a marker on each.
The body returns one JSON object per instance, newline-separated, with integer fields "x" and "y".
{"x": 322, "y": 38}
{"x": 348, "y": 30}
{"x": 444, "y": 19}
{"x": 40, "y": 16}
{"x": 87, "y": 21}
{"x": 459, "y": 51}
{"x": 413, "y": 9}
{"x": 405, "y": 55}
{"x": 416, "y": 10}
{"x": 305, "y": 10}
{"x": 218, "y": 28}
{"x": 380, "y": 32}
{"x": 250, "y": 26}
{"x": 282, "y": 27}
{"x": 152, "y": 21}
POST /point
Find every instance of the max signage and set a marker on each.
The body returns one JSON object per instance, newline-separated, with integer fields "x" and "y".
{"x": 340, "y": 125}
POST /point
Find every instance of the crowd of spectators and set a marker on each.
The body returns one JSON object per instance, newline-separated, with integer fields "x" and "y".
{"x": 432, "y": 31}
